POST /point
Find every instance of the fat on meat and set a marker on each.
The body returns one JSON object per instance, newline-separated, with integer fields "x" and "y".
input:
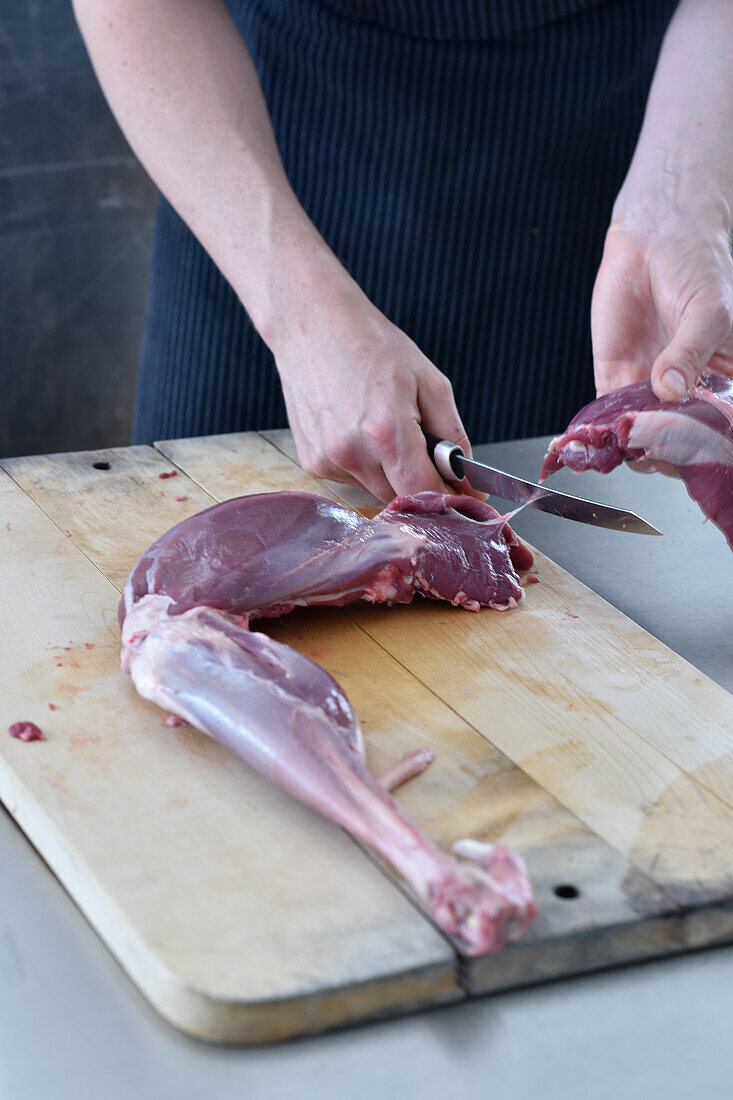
{"x": 692, "y": 439}
{"x": 185, "y": 616}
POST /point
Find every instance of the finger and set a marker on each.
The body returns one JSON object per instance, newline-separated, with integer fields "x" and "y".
{"x": 357, "y": 456}
{"x": 702, "y": 330}
{"x": 372, "y": 478}
{"x": 612, "y": 374}
{"x": 318, "y": 466}
{"x": 369, "y": 478}
{"x": 406, "y": 463}
{"x": 362, "y": 473}
{"x": 440, "y": 416}
{"x": 343, "y": 477}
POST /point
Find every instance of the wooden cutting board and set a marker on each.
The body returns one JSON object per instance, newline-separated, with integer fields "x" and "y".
{"x": 566, "y": 732}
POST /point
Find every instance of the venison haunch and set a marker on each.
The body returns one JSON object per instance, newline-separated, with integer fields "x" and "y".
{"x": 187, "y": 643}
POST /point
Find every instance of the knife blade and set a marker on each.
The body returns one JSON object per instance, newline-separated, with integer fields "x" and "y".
{"x": 453, "y": 465}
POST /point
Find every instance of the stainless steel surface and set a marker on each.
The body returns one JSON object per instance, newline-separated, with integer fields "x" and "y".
{"x": 72, "y": 1025}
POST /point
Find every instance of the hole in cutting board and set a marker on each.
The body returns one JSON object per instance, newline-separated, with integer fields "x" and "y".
{"x": 101, "y": 465}
{"x": 566, "y": 891}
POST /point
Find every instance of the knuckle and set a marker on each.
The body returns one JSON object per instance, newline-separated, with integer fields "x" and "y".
{"x": 341, "y": 451}
{"x": 442, "y": 387}
{"x": 721, "y": 316}
{"x": 380, "y": 429}
{"x": 315, "y": 466}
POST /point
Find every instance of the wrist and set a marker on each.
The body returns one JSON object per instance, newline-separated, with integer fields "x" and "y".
{"x": 658, "y": 197}
{"x": 315, "y": 296}
{"x": 295, "y": 281}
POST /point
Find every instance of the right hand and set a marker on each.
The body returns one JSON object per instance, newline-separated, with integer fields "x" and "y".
{"x": 357, "y": 390}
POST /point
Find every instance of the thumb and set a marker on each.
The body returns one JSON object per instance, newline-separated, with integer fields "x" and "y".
{"x": 701, "y": 332}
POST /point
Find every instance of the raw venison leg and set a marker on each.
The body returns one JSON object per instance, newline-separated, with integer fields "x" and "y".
{"x": 185, "y": 615}
{"x": 287, "y": 718}
{"x": 692, "y": 438}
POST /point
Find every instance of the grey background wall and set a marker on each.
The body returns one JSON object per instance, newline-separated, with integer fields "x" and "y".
{"x": 76, "y": 217}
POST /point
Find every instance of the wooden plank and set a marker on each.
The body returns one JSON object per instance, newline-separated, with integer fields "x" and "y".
{"x": 244, "y": 462}
{"x": 80, "y": 495}
{"x": 240, "y": 914}
{"x": 472, "y": 789}
{"x": 627, "y": 736}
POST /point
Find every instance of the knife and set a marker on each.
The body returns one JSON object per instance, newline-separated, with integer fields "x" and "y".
{"x": 453, "y": 465}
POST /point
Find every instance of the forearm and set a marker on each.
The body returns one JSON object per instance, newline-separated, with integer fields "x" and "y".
{"x": 683, "y": 163}
{"x": 185, "y": 91}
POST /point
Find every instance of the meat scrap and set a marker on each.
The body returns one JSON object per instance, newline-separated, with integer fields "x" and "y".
{"x": 692, "y": 439}
{"x": 26, "y": 731}
{"x": 412, "y": 763}
{"x": 168, "y": 473}
{"x": 185, "y": 617}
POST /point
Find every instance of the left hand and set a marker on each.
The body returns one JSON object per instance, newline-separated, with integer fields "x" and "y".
{"x": 663, "y": 302}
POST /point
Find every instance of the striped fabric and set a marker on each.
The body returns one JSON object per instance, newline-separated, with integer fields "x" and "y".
{"x": 461, "y": 157}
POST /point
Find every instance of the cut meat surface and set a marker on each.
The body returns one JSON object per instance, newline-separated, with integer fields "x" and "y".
{"x": 185, "y": 619}
{"x": 263, "y": 555}
{"x": 692, "y": 439}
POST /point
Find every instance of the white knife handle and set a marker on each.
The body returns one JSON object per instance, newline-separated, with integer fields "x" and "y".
{"x": 447, "y": 458}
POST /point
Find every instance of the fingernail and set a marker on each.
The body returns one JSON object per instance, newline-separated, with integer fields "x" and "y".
{"x": 676, "y": 383}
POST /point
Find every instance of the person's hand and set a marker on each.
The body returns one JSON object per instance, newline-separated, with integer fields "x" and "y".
{"x": 357, "y": 390}
{"x": 663, "y": 301}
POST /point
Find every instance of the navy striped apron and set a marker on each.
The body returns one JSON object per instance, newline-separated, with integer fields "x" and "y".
{"x": 461, "y": 158}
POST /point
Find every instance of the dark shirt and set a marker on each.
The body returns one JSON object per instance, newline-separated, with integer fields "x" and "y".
{"x": 461, "y": 158}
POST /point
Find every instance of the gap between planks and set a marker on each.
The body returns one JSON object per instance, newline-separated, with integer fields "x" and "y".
{"x": 7, "y": 468}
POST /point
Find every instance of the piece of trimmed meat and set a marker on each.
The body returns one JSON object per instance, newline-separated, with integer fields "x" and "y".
{"x": 26, "y": 731}
{"x": 186, "y": 642}
{"x": 691, "y": 438}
